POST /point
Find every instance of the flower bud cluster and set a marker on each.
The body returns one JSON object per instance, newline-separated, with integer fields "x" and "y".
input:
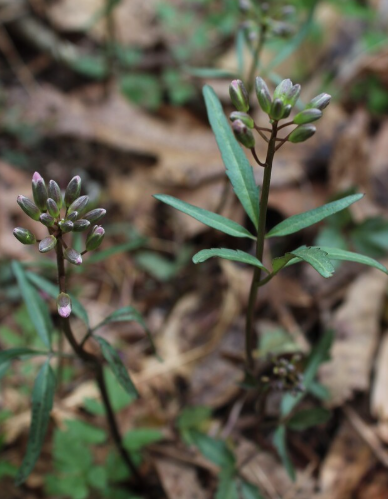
{"x": 46, "y": 208}
{"x": 285, "y": 375}
{"x": 277, "y": 106}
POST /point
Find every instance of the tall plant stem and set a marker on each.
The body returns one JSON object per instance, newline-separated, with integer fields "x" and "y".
{"x": 95, "y": 365}
{"x": 249, "y": 332}
{"x": 256, "y": 58}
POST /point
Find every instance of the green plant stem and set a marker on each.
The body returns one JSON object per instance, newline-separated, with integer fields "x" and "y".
{"x": 256, "y": 58}
{"x": 249, "y": 332}
{"x": 94, "y": 363}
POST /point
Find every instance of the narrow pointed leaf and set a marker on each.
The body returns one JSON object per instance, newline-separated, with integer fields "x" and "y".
{"x": 303, "y": 220}
{"x": 279, "y": 440}
{"x": 15, "y": 353}
{"x": 237, "y": 166}
{"x": 52, "y": 290}
{"x": 280, "y": 262}
{"x": 42, "y": 403}
{"x": 206, "y": 217}
{"x": 117, "y": 367}
{"x": 127, "y": 314}
{"x": 307, "y": 418}
{"x": 317, "y": 259}
{"x": 228, "y": 254}
{"x": 349, "y": 256}
{"x": 250, "y": 491}
{"x": 36, "y": 307}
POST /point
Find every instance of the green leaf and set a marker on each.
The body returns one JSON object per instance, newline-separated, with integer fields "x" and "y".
{"x": 281, "y": 261}
{"x": 37, "y": 308}
{"x": 14, "y": 353}
{"x": 227, "y": 485}
{"x": 215, "y": 450}
{"x": 209, "y": 72}
{"x": 250, "y": 491}
{"x": 318, "y": 355}
{"x": 52, "y": 290}
{"x": 85, "y": 432}
{"x": 237, "y": 166}
{"x": 126, "y": 314}
{"x": 206, "y": 217}
{"x": 349, "y": 256}
{"x": 303, "y": 220}
{"x": 135, "y": 440}
{"x": 307, "y": 418}
{"x": 279, "y": 441}
{"x": 317, "y": 259}
{"x": 114, "y": 250}
{"x": 118, "y": 368}
{"x": 42, "y": 403}
{"x": 228, "y": 254}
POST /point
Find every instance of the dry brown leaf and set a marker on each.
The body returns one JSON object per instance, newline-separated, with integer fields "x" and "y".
{"x": 348, "y": 460}
{"x": 179, "y": 480}
{"x": 357, "y": 326}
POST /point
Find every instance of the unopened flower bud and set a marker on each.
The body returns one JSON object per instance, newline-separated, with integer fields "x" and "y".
{"x": 263, "y": 95}
{"x": 307, "y": 116}
{"x": 321, "y": 101}
{"x": 244, "y": 117}
{"x": 282, "y": 90}
{"x": 81, "y": 225}
{"x": 292, "y": 95}
{"x": 39, "y": 191}
{"x": 95, "y": 237}
{"x": 287, "y": 111}
{"x": 47, "y": 244}
{"x": 54, "y": 193}
{"x": 302, "y": 133}
{"x": 73, "y": 190}
{"x": 72, "y": 216}
{"x": 72, "y": 256}
{"x": 24, "y": 235}
{"x": 66, "y": 226}
{"x": 78, "y": 205}
{"x": 46, "y": 220}
{"x": 29, "y": 207}
{"x": 64, "y": 305}
{"x": 239, "y": 96}
{"x": 277, "y": 109}
{"x": 94, "y": 215}
{"x": 243, "y": 134}
{"x": 282, "y": 29}
{"x": 52, "y": 208}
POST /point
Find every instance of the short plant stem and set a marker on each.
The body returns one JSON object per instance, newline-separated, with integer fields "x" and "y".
{"x": 249, "y": 330}
{"x": 256, "y": 58}
{"x": 95, "y": 364}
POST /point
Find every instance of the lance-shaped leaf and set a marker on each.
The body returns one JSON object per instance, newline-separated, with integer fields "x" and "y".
{"x": 303, "y": 220}
{"x": 42, "y": 403}
{"x": 279, "y": 441}
{"x": 15, "y": 353}
{"x": 237, "y": 166}
{"x": 349, "y": 256}
{"x": 117, "y": 367}
{"x": 206, "y": 217}
{"x": 317, "y": 258}
{"x": 127, "y": 314}
{"x": 228, "y": 254}
{"x": 36, "y": 307}
{"x": 52, "y": 290}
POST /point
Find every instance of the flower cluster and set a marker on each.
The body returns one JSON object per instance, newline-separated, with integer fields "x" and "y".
{"x": 46, "y": 208}
{"x": 276, "y": 17}
{"x": 285, "y": 375}
{"x": 278, "y": 107}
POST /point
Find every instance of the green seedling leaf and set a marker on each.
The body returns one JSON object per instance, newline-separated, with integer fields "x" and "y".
{"x": 42, "y": 403}
{"x": 307, "y": 418}
{"x": 250, "y": 491}
{"x": 317, "y": 259}
{"x": 135, "y": 440}
{"x": 37, "y": 308}
{"x": 126, "y": 314}
{"x": 279, "y": 441}
{"x": 298, "y": 222}
{"x": 237, "y": 166}
{"x": 52, "y": 290}
{"x": 228, "y": 254}
{"x": 206, "y": 217}
{"x": 118, "y": 368}
{"x": 318, "y": 355}
{"x": 349, "y": 256}
{"x": 215, "y": 450}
